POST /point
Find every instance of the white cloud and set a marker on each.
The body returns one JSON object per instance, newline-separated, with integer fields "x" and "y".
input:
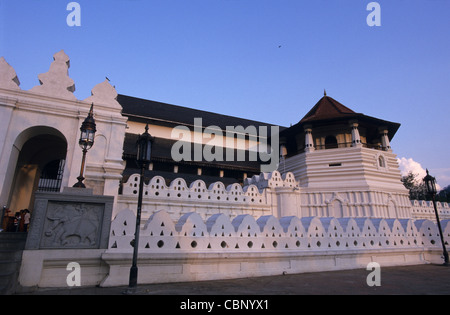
{"x": 409, "y": 165}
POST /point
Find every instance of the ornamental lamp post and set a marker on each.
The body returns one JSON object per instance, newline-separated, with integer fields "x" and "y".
{"x": 86, "y": 142}
{"x": 430, "y": 186}
{"x": 144, "y": 151}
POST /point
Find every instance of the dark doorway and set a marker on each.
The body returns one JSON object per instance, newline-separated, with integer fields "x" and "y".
{"x": 51, "y": 176}
{"x": 331, "y": 142}
{"x": 40, "y": 165}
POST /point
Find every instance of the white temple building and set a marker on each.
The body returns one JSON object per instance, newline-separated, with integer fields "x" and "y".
{"x": 324, "y": 186}
{"x": 342, "y": 161}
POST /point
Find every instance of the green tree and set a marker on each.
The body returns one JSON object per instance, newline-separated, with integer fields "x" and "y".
{"x": 415, "y": 186}
{"x": 444, "y": 194}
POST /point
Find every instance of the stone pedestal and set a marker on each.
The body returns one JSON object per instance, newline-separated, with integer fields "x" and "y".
{"x": 73, "y": 219}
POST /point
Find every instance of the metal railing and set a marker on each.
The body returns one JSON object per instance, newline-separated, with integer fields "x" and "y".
{"x": 345, "y": 145}
{"x": 52, "y": 182}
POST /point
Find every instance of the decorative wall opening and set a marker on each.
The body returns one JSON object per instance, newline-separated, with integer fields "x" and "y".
{"x": 40, "y": 149}
{"x": 381, "y": 162}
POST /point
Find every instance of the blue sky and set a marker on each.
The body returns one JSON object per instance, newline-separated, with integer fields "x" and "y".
{"x": 225, "y": 56}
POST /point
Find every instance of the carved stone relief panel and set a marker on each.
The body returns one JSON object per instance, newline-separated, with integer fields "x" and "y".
{"x": 72, "y": 225}
{"x": 72, "y": 219}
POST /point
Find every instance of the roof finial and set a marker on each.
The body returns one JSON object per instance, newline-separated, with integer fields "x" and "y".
{"x": 91, "y": 110}
{"x": 324, "y": 92}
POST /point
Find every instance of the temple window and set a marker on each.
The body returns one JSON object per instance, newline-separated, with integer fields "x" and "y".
{"x": 331, "y": 142}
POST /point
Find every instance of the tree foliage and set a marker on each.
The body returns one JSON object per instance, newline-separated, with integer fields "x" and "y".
{"x": 444, "y": 194}
{"x": 415, "y": 186}
{"x": 417, "y": 190}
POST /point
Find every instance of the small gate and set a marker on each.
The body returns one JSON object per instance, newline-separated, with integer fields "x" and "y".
{"x": 51, "y": 176}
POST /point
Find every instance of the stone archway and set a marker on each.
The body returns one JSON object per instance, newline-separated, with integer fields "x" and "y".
{"x": 37, "y": 147}
{"x": 337, "y": 209}
{"x": 392, "y": 210}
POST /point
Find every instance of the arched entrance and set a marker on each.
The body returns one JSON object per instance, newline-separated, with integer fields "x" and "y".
{"x": 40, "y": 165}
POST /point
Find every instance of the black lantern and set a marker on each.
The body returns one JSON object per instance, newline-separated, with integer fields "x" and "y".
{"x": 430, "y": 185}
{"x": 144, "y": 147}
{"x": 86, "y": 142}
{"x": 144, "y": 152}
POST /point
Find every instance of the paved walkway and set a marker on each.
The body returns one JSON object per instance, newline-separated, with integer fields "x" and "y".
{"x": 405, "y": 280}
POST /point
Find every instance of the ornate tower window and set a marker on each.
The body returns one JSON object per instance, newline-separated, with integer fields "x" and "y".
{"x": 381, "y": 161}
{"x": 331, "y": 142}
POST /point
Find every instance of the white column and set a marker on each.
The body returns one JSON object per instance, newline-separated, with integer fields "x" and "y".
{"x": 356, "y": 139}
{"x": 283, "y": 154}
{"x": 385, "y": 140}
{"x": 309, "y": 144}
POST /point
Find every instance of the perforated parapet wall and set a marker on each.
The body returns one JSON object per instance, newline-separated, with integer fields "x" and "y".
{"x": 197, "y": 191}
{"x": 270, "y": 194}
{"x": 179, "y": 198}
{"x": 422, "y": 209}
{"x": 267, "y": 233}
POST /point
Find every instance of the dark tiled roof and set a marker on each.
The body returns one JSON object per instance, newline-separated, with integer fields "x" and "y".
{"x": 161, "y": 151}
{"x": 327, "y": 108}
{"x": 158, "y": 113}
{"x": 328, "y": 111}
{"x": 172, "y": 115}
